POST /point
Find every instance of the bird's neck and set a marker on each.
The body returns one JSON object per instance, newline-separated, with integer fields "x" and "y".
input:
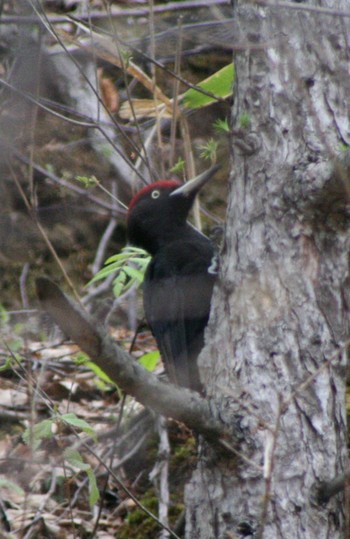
{"x": 157, "y": 239}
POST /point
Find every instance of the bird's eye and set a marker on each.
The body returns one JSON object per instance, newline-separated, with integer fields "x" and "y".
{"x": 155, "y": 194}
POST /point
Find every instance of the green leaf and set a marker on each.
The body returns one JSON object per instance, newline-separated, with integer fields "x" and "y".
{"x": 38, "y": 432}
{"x": 142, "y": 262}
{"x": 150, "y": 360}
{"x": 74, "y": 458}
{"x": 4, "y": 316}
{"x": 222, "y": 126}
{"x": 75, "y": 421}
{"x": 82, "y": 359}
{"x": 129, "y": 265}
{"x": 104, "y": 273}
{"x": 7, "y": 364}
{"x": 179, "y": 166}
{"x": 220, "y": 84}
{"x": 119, "y": 285}
{"x": 5, "y": 483}
{"x": 94, "y": 494}
{"x": 127, "y": 252}
{"x": 118, "y": 259}
{"x": 133, "y": 273}
{"x": 99, "y": 372}
{"x": 87, "y": 181}
{"x": 208, "y": 150}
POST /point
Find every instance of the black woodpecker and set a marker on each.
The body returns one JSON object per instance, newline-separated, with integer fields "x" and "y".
{"x": 179, "y": 280}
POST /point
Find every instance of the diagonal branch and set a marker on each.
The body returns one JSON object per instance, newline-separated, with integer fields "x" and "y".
{"x": 169, "y": 400}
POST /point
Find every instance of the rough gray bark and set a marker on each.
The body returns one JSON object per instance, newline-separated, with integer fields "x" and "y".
{"x": 280, "y": 321}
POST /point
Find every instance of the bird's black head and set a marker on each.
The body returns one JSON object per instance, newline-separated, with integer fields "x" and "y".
{"x": 157, "y": 214}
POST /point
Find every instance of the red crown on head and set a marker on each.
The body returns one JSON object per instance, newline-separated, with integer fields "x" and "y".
{"x": 162, "y": 184}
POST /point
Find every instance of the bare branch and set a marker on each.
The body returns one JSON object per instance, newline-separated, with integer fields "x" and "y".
{"x": 179, "y": 403}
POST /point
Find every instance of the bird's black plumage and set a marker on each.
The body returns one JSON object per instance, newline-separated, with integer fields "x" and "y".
{"x": 178, "y": 283}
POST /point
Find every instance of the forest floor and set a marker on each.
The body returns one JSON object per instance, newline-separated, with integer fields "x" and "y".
{"x": 77, "y": 458}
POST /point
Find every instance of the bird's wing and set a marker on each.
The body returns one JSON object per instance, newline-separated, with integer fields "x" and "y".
{"x": 177, "y": 302}
{"x": 164, "y": 309}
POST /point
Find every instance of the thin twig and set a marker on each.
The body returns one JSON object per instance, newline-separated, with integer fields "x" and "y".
{"x": 142, "y": 155}
{"x": 176, "y": 90}
{"x": 122, "y": 485}
{"x": 60, "y": 181}
{"x": 117, "y": 12}
{"x": 158, "y": 113}
{"x": 45, "y": 500}
{"x": 304, "y": 385}
{"x": 161, "y": 470}
{"x": 108, "y": 53}
{"x": 57, "y": 36}
{"x": 269, "y": 461}
{"x": 38, "y": 391}
{"x": 97, "y": 290}
{"x": 43, "y": 233}
{"x": 106, "y": 236}
{"x": 22, "y": 285}
{"x": 190, "y": 165}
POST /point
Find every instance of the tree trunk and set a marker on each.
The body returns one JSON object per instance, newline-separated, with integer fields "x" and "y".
{"x": 276, "y": 353}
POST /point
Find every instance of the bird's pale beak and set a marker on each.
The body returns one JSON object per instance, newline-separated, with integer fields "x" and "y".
{"x": 193, "y": 186}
